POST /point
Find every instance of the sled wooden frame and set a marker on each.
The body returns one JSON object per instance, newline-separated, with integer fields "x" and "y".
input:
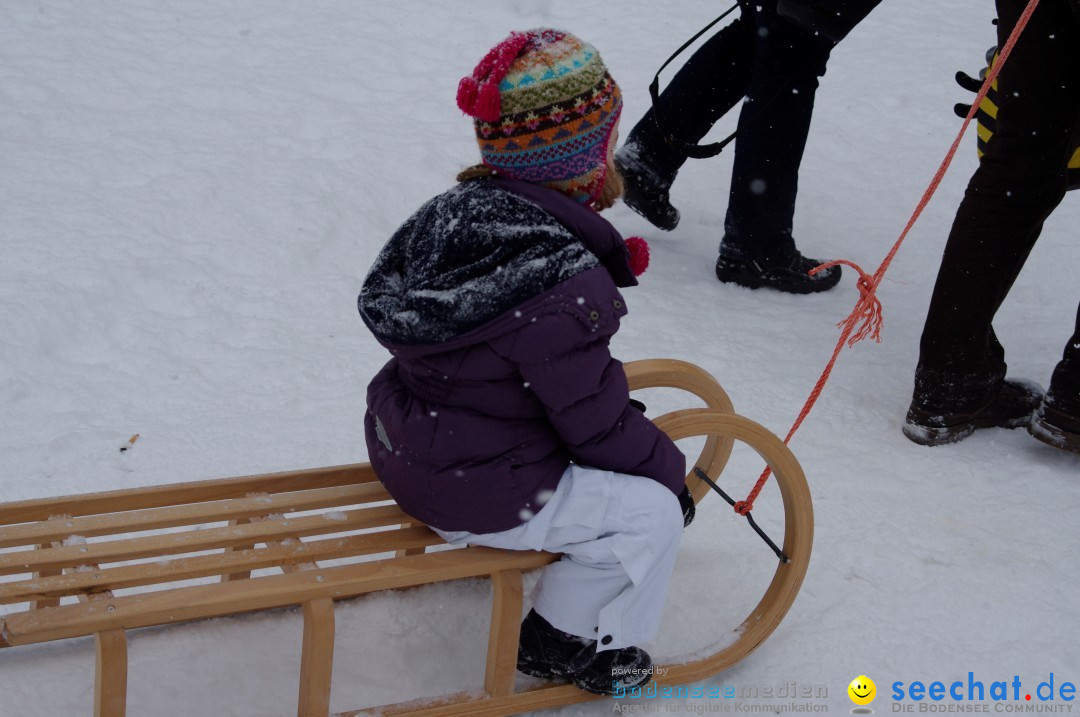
{"x": 341, "y": 512}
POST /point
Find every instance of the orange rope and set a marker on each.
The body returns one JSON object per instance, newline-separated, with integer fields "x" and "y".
{"x": 867, "y": 313}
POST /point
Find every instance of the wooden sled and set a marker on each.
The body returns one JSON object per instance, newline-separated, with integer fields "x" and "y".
{"x": 292, "y": 521}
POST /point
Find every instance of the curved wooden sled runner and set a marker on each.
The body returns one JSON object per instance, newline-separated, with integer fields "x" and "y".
{"x": 339, "y": 512}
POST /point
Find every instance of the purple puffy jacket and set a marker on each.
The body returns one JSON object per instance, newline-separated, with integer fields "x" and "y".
{"x": 497, "y": 300}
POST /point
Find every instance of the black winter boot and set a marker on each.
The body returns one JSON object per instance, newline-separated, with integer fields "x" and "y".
{"x": 789, "y": 273}
{"x": 1057, "y": 421}
{"x": 1055, "y": 425}
{"x": 1010, "y": 407}
{"x": 646, "y": 188}
{"x": 547, "y": 652}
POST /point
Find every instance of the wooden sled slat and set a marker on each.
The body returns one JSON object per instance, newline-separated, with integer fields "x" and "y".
{"x": 24, "y": 561}
{"x": 182, "y": 493}
{"x": 204, "y": 601}
{"x": 201, "y": 566}
{"x": 208, "y": 512}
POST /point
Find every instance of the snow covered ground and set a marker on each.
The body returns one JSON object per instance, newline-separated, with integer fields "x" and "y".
{"x": 192, "y": 193}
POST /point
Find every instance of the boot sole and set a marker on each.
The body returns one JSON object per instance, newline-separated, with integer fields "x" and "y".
{"x": 753, "y": 280}
{"x": 586, "y": 687}
{"x": 929, "y": 436}
{"x": 550, "y": 674}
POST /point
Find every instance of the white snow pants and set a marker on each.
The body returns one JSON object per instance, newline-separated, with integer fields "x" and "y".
{"x": 619, "y": 535}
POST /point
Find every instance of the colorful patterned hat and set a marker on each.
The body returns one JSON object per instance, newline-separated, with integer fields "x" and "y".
{"x": 545, "y": 107}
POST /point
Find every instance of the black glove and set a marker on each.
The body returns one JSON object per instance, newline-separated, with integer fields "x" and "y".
{"x": 969, "y": 83}
{"x": 686, "y": 502}
{"x": 973, "y": 84}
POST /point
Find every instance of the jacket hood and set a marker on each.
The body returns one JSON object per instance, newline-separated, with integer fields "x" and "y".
{"x": 476, "y": 252}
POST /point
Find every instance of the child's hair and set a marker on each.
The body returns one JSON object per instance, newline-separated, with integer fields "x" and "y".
{"x": 611, "y": 190}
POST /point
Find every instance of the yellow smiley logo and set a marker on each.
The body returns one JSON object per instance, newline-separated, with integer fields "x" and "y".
{"x": 862, "y": 690}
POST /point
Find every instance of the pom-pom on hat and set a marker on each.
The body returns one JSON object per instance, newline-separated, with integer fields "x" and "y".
{"x": 544, "y": 107}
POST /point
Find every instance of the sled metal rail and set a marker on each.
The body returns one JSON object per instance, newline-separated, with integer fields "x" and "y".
{"x": 156, "y": 540}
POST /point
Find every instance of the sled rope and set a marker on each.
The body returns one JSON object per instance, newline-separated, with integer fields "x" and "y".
{"x": 867, "y": 314}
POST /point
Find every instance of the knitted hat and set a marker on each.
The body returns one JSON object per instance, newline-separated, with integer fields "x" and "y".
{"x": 545, "y": 107}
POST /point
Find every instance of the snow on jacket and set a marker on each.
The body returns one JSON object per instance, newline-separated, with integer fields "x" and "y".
{"x": 497, "y": 300}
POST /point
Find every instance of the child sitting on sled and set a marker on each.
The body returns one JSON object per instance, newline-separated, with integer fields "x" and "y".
{"x": 502, "y": 419}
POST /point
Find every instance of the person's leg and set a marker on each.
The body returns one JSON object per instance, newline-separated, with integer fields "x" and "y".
{"x": 619, "y": 535}
{"x": 1057, "y": 421}
{"x": 758, "y": 249}
{"x": 611, "y": 587}
{"x": 1065, "y": 383}
{"x": 709, "y": 84}
{"x": 773, "y": 127}
{"x": 959, "y": 381}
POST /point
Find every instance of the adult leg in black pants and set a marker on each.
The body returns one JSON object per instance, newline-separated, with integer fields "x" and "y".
{"x": 960, "y": 380}
{"x": 1057, "y": 421}
{"x": 711, "y": 82}
{"x": 775, "y": 65}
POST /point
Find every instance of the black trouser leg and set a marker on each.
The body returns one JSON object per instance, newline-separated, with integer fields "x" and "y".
{"x": 1018, "y": 183}
{"x": 709, "y": 84}
{"x": 773, "y": 126}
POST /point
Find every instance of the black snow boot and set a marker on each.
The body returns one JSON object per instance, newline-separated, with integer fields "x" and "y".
{"x": 1055, "y": 425}
{"x": 545, "y": 651}
{"x": 788, "y": 273}
{"x": 1011, "y": 406}
{"x": 646, "y": 188}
